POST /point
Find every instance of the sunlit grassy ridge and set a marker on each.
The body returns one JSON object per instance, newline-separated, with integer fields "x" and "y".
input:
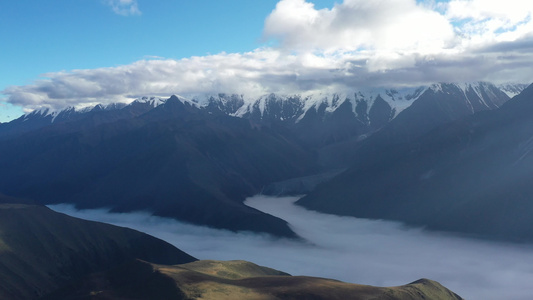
{"x": 245, "y": 280}
{"x": 235, "y": 269}
{"x": 230, "y": 280}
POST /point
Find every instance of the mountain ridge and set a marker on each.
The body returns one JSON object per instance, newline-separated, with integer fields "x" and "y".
{"x": 298, "y": 104}
{"x": 468, "y": 176}
{"x": 196, "y": 162}
{"x": 237, "y": 280}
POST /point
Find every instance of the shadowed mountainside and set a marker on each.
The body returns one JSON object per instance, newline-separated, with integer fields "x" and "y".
{"x": 175, "y": 161}
{"x": 197, "y": 161}
{"x": 41, "y": 250}
{"x": 471, "y": 176}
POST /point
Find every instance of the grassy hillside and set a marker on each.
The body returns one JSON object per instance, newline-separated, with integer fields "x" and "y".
{"x": 244, "y": 280}
{"x": 41, "y": 250}
{"x": 220, "y": 280}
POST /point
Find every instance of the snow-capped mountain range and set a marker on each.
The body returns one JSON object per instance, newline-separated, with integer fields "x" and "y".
{"x": 294, "y": 107}
{"x": 196, "y": 158}
{"x": 317, "y": 118}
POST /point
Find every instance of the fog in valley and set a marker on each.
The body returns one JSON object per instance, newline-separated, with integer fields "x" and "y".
{"x": 373, "y": 252}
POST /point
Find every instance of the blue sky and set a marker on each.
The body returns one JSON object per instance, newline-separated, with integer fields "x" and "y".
{"x": 245, "y": 46}
{"x": 54, "y": 35}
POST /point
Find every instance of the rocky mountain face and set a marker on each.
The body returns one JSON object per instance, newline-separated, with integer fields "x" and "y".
{"x": 471, "y": 176}
{"x": 437, "y": 105}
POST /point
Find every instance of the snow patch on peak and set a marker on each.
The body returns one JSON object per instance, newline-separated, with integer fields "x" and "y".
{"x": 95, "y": 107}
{"x": 436, "y": 87}
{"x": 444, "y": 87}
{"x": 157, "y": 101}
{"x": 43, "y": 112}
{"x": 398, "y": 99}
{"x": 512, "y": 89}
{"x": 263, "y": 105}
{"x": 477, "y": 86}
{"x": 46, "y": 112}
{"x": 153, "y": 101}
{"x": 331, "y": 100}
{"x": 187, "y": 100}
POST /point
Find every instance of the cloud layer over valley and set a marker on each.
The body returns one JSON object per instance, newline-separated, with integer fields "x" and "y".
{"x": 353, "y": 44}
{"x": 353, "y": 250}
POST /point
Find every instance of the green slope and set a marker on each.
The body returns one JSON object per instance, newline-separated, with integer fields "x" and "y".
{"x": 245, "y": 280}
{"x": 225, "y": 280}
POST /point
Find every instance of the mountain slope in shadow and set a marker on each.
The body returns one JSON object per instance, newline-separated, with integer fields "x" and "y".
{"x": 470, "y": 176}
{"x": 41, "y": 250}
{"x": 175, "y": 161}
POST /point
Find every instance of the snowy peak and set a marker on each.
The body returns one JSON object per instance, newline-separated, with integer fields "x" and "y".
{"x": 370, "y": 108}
{"x": 397, "y": 99}
{"x": 67, "y": 113}
{"x": 477, "y": 96}
{"x": 47, "y": 113}
{"x": 295, "y": 107}
{"x": 512, "y": 89}
{"x": 292, "y": 108}
{"x": 152, "y": 101}
{"x": 272, "y": 107}
{"x": 226, "y": 103}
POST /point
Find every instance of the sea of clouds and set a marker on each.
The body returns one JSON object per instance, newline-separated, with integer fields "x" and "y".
{"x": 373, "y": 252}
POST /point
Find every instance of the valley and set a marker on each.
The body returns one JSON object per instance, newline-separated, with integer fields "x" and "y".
{"x": 196, "y": 159}
{"x": 370, "y": 252}
{"x": 266, "y": 150}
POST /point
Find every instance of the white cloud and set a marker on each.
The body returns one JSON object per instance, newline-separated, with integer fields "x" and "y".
{"x": 124, "y": 7}
{"x": 383, "y": 26}
{"x": 353, "y": 250}
{"x": 509, "y": 11}
{"x": 354, "y": 44}
{"x": 482, "y": 22}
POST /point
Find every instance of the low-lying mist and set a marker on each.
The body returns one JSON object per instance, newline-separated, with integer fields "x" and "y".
{"x": 373, "y": 252}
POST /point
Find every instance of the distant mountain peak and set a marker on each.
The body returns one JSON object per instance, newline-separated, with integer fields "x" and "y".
{"x": 355, "y": 113}
{"x": 512, "y": 89}
{"x": 294, "y": 107}
{"x": 152, "y": 101}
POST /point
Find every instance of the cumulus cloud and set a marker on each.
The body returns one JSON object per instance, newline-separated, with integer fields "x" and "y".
{"x": 354, "y": 44}
{"x": 360, "y": 25}
{"x": 256, "y": 73}
{"x": 482, "y": 23}
{"x": 124, "y": 7}
{"x": 353, "y": 250}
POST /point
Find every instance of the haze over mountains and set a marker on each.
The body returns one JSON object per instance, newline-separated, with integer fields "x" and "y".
{"x": 48, "y": 255}
{"x": 449, "y": 156}
{"x": 373, "y": 142}
{"x": 198, "y": 159}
